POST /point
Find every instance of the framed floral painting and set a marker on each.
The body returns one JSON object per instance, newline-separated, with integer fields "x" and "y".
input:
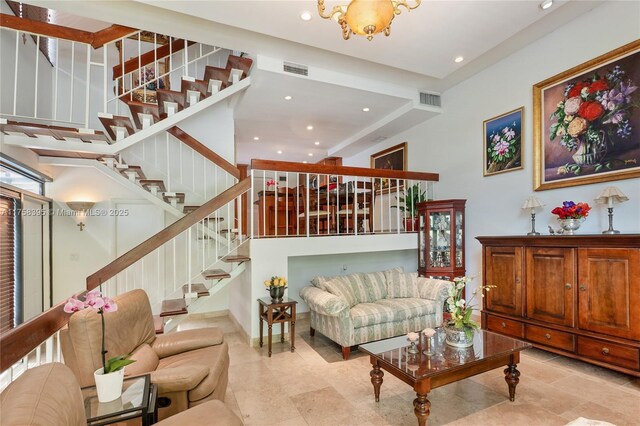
{"x": 587, "y": 122}
{"x": 503, "y": 142}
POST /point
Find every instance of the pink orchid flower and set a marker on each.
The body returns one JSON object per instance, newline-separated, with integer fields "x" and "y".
{"x": 109, "y": 305}
{"x": 95, "y": 303}
{"x": 73, "y": 305}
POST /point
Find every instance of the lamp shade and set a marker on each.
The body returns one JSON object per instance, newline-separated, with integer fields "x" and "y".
{"x": 532, "y": 203}
{"x": 611, "y": 195}
{"x": 80, "y": 206}
{"x": 368, "y": 17}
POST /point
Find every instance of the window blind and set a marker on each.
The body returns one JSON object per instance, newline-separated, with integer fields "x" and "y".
{"x": 7, "y": 263}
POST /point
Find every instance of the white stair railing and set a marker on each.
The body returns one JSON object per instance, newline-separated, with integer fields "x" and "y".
{"x": 76, "y": 84}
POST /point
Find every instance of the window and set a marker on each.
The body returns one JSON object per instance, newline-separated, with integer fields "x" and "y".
{"x": 8, "y": 312}
{"x": 13, "y": 177}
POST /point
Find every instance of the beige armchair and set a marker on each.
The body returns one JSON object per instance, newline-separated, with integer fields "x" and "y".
{"x": 190, "y": 367}
{"x": 49, "y": 395}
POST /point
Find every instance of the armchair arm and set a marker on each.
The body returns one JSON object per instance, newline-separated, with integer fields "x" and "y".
{"x": 178, "y": 379}
{"x": 188, "y": 340}
{"x": 323, "y": 302}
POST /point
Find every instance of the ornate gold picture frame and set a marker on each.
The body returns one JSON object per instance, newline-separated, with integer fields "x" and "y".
{"x": 587, "y": 122}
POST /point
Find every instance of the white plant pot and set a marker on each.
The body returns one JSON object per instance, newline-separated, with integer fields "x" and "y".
{"x": 108, "y": 386}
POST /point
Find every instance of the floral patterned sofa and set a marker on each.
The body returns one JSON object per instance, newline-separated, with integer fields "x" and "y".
{"x": 363, "y": 307}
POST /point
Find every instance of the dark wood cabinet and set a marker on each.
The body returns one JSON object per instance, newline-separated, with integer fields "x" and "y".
{"x": 578, "y": 296}
{"x": 504, "y": 270}
{"x": 550, "y": 282}
{"x": 609, "y": 291}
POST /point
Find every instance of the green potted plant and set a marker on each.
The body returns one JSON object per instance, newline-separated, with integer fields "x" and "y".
{"x": 461, "y": 327}
{"x": 412, "y": 196}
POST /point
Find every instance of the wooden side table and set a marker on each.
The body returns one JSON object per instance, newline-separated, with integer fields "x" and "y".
{"x": 278, "y": 312}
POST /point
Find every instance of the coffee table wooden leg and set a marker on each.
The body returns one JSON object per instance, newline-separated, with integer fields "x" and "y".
{"x": 376, "y": 379}
{"x": 512, "y": 377}
{"x": 422, "y": 408}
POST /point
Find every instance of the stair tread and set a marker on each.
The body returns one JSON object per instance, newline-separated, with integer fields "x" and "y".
{"x": 148, "y": 183}
{"x": 116, "y": 121}
{"x": 197, "y": 85}
{"x": 241, "y": 63}
{"x": 189, "y": 209}
{"x": 137, "y": 107}
{"x": 158, "y": 324}
{"x": 200, "y": 289}
{"x": 217, "y": 73}
{"x": 136, "y": 169}
{"x": 212, "y": 274}
{"x": 236, "y": 258}
{"x": 56, "y": 132}
{"x": 165, "y": 95}
{"x": 179, "y": 196}
{"x": 172, "y": 307}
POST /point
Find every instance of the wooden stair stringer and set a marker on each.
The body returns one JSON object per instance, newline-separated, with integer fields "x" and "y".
{"x": 113, "y": 149}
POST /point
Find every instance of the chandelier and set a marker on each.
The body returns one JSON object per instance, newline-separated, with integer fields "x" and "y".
{"x": 366, "y": 17}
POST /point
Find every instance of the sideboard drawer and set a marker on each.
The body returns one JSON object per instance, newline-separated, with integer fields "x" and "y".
{"x": 612, "y": 353}
{"x": 550, "y": 337}
{"x": 505, "y": 326}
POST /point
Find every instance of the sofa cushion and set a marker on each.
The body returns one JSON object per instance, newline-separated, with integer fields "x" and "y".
{"x": 408, "y": 308}
{"x": 319, "y": 282}
{"x": 400, "y": 284}
{"x": 352, "y": 288}
{"x": 377, "y": 285}
{"x": 364, "y": 314}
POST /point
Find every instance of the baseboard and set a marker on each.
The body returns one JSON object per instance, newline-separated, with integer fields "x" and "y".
{"x": 243, "y": 334}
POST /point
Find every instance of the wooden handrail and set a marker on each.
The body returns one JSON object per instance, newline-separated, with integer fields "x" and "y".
{"x": 97, "y": 39}
{"x": 167, "y": 234}
{"x": 45, "y": 28}
{"x": 107, "y": 35}
{"x": 203, "y": 150}
{"x": 149, "y": 57}
{"x": 26, "y": 337}
{"x": 289, "y": 166}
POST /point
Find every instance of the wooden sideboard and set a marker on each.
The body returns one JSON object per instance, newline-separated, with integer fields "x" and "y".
{"x": 578, "y": 296}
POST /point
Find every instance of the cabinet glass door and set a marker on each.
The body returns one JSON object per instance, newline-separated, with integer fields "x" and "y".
{"x": 440, "y": 239}
{"x": 421, "y": 243}
{"x": 459, "y": 239}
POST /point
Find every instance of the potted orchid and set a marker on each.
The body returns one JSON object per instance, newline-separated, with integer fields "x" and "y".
{"x": 276, "y": 287}
{"x": 461, "y": 327}
{"x": 109, "y": 378}
{"x": 271, "y": 185}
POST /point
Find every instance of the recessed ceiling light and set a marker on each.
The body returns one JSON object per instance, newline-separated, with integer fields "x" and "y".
{"x": 316, "y": 143}
{"x": 458, "y": 59}
{"x": 304, "y": 162}
{"x": 287, "y": 98}
{"x": 546, "y": 4}
{"x": 255, "y": 138}
{"x": 279, "y": 152}
{"x": 309, "y": 127}
{"x": 310, "y": 154}
{"x": 365, "y": 109}
{"x": 305, "y": 16}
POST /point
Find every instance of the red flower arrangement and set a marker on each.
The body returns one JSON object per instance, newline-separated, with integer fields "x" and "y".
{"x": 571, "y": 210}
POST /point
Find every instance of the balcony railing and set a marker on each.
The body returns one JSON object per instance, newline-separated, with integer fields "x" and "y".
{"x": 294, "y": 199}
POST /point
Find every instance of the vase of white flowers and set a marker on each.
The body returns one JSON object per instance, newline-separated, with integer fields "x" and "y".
{"x": 461, "y": 327}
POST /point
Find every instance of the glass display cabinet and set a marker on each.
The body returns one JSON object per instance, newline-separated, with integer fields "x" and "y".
{"x": 441, "y": 239}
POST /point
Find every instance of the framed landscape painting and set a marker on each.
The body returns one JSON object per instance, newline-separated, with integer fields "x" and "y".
{"x": 503, "y": 142}
{"x": 587, "y": 122}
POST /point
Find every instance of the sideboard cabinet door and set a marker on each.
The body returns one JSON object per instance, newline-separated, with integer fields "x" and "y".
{"x": 609, "y": 291}
{"x": 503, "y": 268}
{"x": 550, "y": 284}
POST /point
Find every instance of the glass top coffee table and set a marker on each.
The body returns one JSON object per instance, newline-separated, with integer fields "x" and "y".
{"x": 447, "y": 364}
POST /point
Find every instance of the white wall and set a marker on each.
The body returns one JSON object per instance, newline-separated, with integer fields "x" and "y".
{"x": 451, "y": 144}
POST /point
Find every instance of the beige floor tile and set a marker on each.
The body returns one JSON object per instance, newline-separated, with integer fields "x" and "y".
{"x": 506, "y": 414}
{"x": 251, "y": 376}
{"x": 324, "y": 407}
{"x": 593, "y": 371}
{"x": 296, "y": 421}
{"x": 594, "y": 411}
{"x": 266, "y": 407}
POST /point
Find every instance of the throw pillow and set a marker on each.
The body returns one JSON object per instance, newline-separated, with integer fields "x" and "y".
{"x": 377, "y": 285}
{"x": 342, "y": 289}
{"x": 400, "y": 284}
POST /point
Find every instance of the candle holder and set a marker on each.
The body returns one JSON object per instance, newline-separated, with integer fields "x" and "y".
{"x": 412, "y": 349}
{"x": 428, "y": 346}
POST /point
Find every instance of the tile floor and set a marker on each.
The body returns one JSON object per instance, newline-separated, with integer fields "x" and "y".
{"x": 302, "y": 388}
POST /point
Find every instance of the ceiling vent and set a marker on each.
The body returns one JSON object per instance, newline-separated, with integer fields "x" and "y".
{"x": 430, "y": 99}
{"x": 292, "y": 68}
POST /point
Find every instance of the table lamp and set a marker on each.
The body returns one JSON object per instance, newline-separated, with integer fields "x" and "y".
{"x": 609, "y": 196}
{"x": 532, "y": 203}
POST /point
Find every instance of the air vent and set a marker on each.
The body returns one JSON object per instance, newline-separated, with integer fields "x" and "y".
{"x": 296, "y": 68}
{"x": 430, "y": 99}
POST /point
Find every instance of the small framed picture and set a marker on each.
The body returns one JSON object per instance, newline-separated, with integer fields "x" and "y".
{"x": 503, "y": 142}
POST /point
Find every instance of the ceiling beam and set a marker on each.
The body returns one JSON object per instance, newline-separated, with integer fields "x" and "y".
{"x": 107, "y": 35}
